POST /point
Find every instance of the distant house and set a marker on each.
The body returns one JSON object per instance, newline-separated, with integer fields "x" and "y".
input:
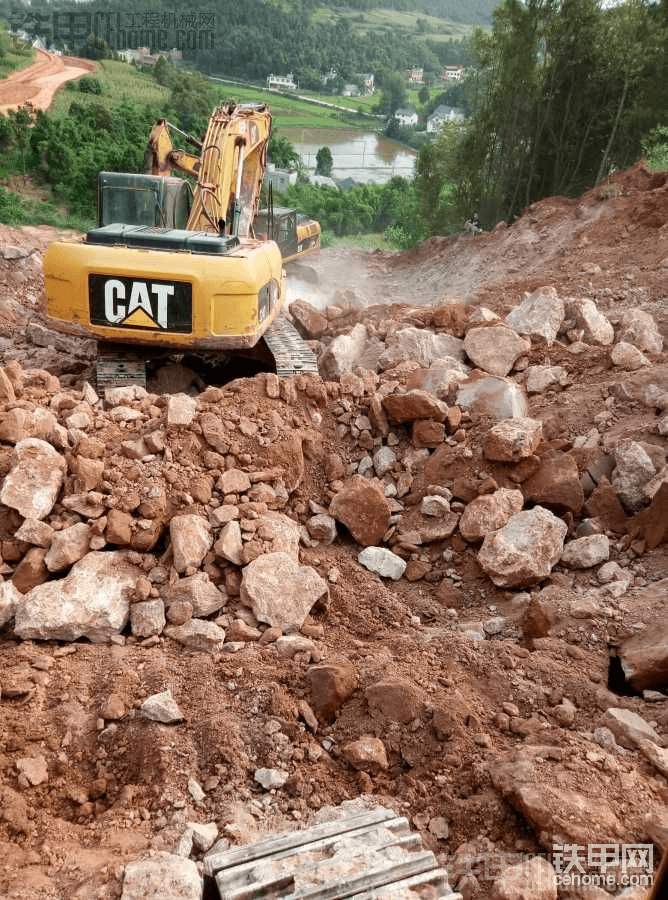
{"x": 350, "y": 90}
{"x": 367, "y": 80}
{"x": 415, "y": 74}
{"x": 280, "y": 179}
{"x": 406, "y": 116}
{"x": 142, "y": 56}
{"x": 443, "y": 114}
{"x": 453, "y": 73}
{"x": 281, "y": 82}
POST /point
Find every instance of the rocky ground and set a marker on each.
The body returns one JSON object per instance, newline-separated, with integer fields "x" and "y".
{"x": 434, "y": 576}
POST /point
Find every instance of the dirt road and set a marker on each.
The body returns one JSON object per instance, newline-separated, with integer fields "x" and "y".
{"x": 38, "y": 83}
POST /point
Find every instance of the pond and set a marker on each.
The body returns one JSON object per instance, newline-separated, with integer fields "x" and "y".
{"x": 364, "y": 156}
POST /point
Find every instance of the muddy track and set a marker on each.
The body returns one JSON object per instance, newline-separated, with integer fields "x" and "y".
{"x": 39, "y": 82}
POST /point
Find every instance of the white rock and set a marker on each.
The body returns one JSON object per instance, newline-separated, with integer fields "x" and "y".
{"x": 585, "y": 552}
{"x": 628, "y": 727}
{"x": 34, "y": 480}
{"x": 500, "y": 398}
{"x": 626, "y": 356}
{"x": 198, "y": 590}
{"x": 540, "y": 378}
{"x": 270, "y": 778}
{"x": 347, "y": 351}
{"x": 67, "y": 546}
{"x": 181, "y": 409}
{"x": 162, "y": 708}
{"x": 198, "y": 634}
{"x": 539, "y": 315}
{"x": 204, "y": 835}
{"x": 119, "y": 395}
{"x": 634, "y": 469}
{"x": 34, "y": 769}
{"x": 191, "y": 540}
{"x": 280, "y": 591}
{"x": 590, "y": 320}
{"x": 639, "y": 328}
{"x": 162, "y": 877}
{"x": 534, "y": 879}
{"x": 513, "y": 439}
{"x": 383, "y": 562}
{"x": 9, "y": 598}
{"x": 322, "y": 528}
{"x": 91, "y": 601}
{"x": 147, "y": 618}
{"x": 420, "y": 345}
{"x": 383, "y": 460}
{"x": 494, "y": 348}
{"x": 229, "y": 544}
{"x": 434, "y": 505}
{"x": 524, "y": 551}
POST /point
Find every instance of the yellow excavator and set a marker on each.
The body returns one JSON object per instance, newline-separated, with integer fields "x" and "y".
{"x": 173, "y": 269}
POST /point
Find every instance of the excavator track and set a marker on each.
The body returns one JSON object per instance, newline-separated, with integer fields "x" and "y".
{"x": 121, "y": 365}
{"x": 292, "y": 355}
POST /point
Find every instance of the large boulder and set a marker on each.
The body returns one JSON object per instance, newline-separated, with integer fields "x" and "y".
{"x": 363, "y": 508}
{"x": 513, "y": 439}
{"x": 280, "y": 591}
{"x": 419, "y": 345}
{"x": 92, "y": 601}
{"x": 525, "y": 549}
{"x": 191, "y": 541}
{"x": 494, "y": 348}
{"x": 414, "y": 405}
{"x": 489, "y": 512}
{"x": 539, "y": 315}
{"x": 34, "y": 481}
{"x": 637, "y": 327}
{"x": 499, "y": 398}
{"x": 633, "y": 469}
{"x": 347, "y": 351}
{"x": 590, "y": 320}
{"x": 164, "y": 876}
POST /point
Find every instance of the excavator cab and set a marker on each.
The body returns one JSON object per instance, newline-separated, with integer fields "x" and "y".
{"x": 295, "y": 234}
{"x": 152, "y": 200}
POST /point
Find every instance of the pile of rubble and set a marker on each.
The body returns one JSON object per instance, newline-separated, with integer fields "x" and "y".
{"x": 436, "y": 487}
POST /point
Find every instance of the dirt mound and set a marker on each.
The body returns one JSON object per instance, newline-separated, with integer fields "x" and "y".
{"x": 487, "y": 686}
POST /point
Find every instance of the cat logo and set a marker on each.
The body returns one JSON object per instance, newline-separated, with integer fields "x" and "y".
{"x": 142, "y": 303}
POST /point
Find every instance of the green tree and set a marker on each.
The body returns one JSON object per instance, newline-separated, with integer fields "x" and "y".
{"x": 423, "y": 95}
{"x": 324, "y": 162}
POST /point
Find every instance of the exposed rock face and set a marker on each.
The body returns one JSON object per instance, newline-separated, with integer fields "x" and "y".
{"x": 383, "y": 562}
{"x": 91, "y": 601}
{"x": 308, "y": 320}
{"x": 539, "y": 315}
{"x": 494, "y": 348}
{"x": 513, "y": 439}
{"x": 363, "y": 508}
{"x": 280, "y": 591}
{"x": 639, "y": 328}
{"x": 500, "y": 398}
{"x": 489, "y": 512}
{"x": 162, "y": 877}
{"x": 644, "y": 656}
{"x": 191, "y": 541}
{"x": 558, "y": 814}
{"x": 524, "y": 551}
{"x": 34, "y": 480}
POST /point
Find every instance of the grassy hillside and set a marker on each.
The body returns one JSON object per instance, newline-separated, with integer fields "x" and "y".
{"x": 119, "y": 81}
{"x": 399, "y": 22}
{"x": 14, "y": 55}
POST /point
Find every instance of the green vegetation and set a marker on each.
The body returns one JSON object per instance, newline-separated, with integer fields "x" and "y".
{"x": 119, "y": 81}
{"x": 17, "y": 210}
{"x": 655, "y": 149}
{"x": 565, "y": 91}
{"x": 14, "y": 54}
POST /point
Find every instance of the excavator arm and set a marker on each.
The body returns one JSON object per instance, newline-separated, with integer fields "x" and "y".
{"x": 229, "y": 169}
